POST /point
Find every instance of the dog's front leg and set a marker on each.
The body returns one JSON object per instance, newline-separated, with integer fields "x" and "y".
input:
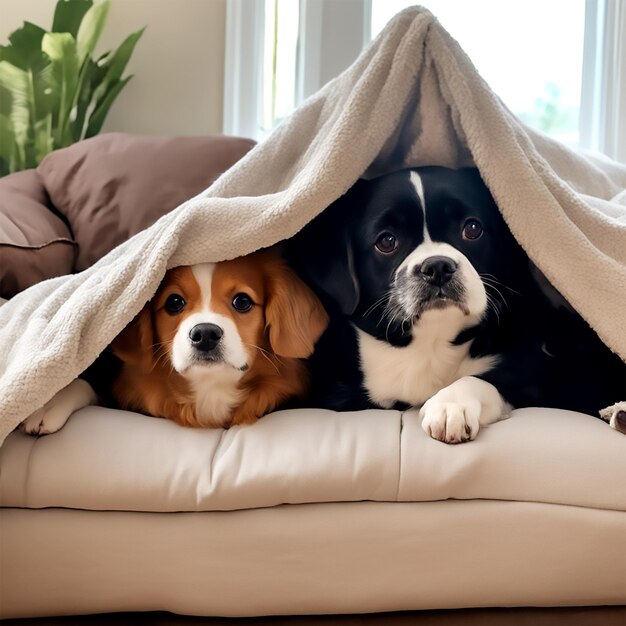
{"x": 53, "y": 415}
{"x": 456, "y": 412}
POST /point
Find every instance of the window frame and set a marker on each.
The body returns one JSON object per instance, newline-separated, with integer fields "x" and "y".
{"x": 243, "y": 67}
{"x": 328, "y": 43}
{"x": 604, "y": 79}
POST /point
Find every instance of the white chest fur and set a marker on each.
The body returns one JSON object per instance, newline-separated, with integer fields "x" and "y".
{"x": 216, "y": 393}
{"x": 414, "y": 373}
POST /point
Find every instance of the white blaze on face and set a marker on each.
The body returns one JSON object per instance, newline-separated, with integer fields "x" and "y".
{"x": 419, "y": 190}
{"x": 232, "y": 350}
{"x": 214, "y": 384}
{"x": 476, "y": 296}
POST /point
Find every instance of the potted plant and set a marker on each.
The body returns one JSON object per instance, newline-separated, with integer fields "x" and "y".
{"x": 52, "y": 92}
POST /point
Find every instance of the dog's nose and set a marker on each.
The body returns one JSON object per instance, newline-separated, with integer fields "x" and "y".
{"x": 205, "y": 337}
{"x": 437, "y": 270}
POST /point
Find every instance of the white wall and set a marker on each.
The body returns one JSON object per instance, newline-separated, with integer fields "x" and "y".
{"x": 178, "y": 63}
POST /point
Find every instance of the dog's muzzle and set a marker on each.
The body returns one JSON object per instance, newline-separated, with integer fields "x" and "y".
{"x": 436, "y": 271}
{"x": 433, "y": 283}
{"x": 438, "y": 282}
{"x": 205, "y": 340}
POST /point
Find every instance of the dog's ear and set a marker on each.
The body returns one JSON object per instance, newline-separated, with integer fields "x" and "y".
{"x": 134, "y": 345}
{"x": 294, "y": 317}
{"x": 334, "y": 273}
{"x": 323, "y": 251}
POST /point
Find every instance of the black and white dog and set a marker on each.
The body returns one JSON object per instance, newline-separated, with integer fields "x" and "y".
{"x": 435, "y": 305}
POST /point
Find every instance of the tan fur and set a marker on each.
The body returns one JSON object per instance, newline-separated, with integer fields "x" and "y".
{"x": 277, "y": 333}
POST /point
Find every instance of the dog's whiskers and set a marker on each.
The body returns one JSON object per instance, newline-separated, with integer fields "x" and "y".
{"x": 378, "y": 303}
{"x": 264, "y": 353}
{"x": 493, "y": 305}
{"x": 161, "y": 354}
{"x": 495, "y": 281}
{"x": 392, "y": 320}
{"x": 498, "y": 296}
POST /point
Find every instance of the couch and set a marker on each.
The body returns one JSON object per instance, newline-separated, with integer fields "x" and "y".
{"x": 307, "y": 511}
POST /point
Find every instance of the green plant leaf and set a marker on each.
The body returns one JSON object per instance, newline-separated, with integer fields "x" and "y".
{"x": 51, "y": 89}
{"x": 119, "y": 59}
{"x": 97, "y": 118}
{"x": 45, "y": 94}
{"x": 61, "y": 48}
{"x": 28, "y": 102}
{"x": 69, "y": 14}
{"x": 16, "y": 82}
{"x": 42, "y": 142}
{"x": 91, "y": 75}
{"x": 90, "y": 29}
{"x": 24, "y": 49}
{"x": 5, "y": 101}
{"x": 8, "y": 152}
{"x": 115, "y": 65}
{"x": 25, "y": 53}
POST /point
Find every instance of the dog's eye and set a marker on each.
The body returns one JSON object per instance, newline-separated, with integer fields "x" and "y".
{"x": 242, "y": 302}
{"x": 386, "y": 243}
{"x": 175, "y": 304}
{"x": 472, "y": 229}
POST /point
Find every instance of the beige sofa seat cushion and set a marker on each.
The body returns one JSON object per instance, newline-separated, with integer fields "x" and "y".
{"x": 313, "y": 558}
{"x": 113, "y": 460}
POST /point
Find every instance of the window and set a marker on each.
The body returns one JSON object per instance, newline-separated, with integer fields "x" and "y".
{"x": 282, "y": 19}
{"x": 559, "y": 65}
{"x": 516, "y": 49}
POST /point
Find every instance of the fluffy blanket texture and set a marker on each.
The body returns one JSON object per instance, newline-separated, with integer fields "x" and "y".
{"x": 412, "y": 98}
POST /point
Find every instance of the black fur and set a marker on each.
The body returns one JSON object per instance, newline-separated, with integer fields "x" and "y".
{"x": 548, "y": 356}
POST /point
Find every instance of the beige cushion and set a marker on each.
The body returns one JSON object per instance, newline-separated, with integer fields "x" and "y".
{"x": 112, "y": 186}
{"x": 313, "y": 558}
{"x": 35, "y": 244}
{"x": 113, "y": 460}
{"x": 530, "y": 513}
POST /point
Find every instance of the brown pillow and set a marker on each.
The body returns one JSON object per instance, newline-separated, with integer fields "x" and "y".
{"x": 35, "y": 244}
{"x": 112, "y": 186}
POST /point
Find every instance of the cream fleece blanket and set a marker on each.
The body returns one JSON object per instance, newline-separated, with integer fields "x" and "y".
{"x": 412, "y": 98}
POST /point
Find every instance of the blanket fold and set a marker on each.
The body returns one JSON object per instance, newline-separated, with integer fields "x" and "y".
{"x": 412, "y": 98}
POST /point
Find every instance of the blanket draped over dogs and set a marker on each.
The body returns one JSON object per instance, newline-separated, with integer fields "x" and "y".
{"x": 412, "y": 98}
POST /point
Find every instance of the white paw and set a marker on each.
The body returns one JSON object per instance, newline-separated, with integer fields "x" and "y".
{"x": 53, "y": 415}
{"x": 451, "y": 422}
{"x": 615, "y": 415}
{"x": 456, "y": 412}
{"x": 48, "y": 419}
{"x": 34, "y": 424}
